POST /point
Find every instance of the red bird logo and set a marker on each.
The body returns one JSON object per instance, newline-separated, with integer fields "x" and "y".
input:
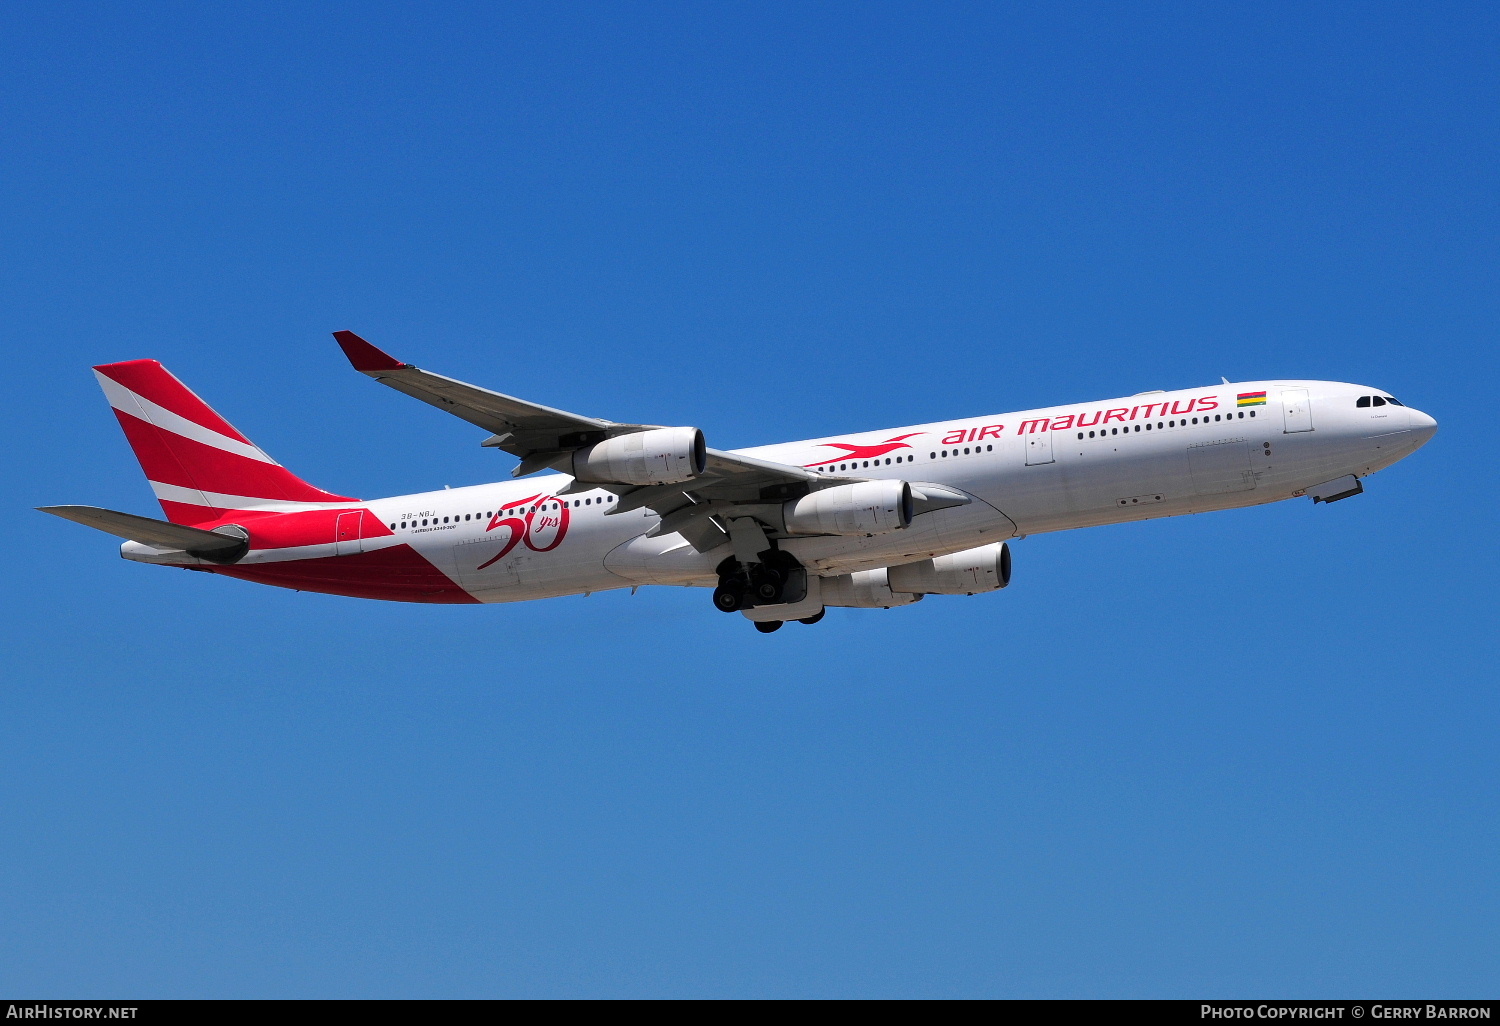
{"x": 865, "y": 452}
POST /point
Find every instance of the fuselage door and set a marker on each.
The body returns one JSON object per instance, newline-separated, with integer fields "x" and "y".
{"x": 346, "y": 534}
{"x": 1297, "y": 409}
{"x": 1039, "y": 448}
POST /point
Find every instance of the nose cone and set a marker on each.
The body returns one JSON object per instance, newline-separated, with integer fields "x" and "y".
{"x": 1423, "y": 428}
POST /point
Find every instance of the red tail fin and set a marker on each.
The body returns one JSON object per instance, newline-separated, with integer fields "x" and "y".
{"x": 198, "y": 464}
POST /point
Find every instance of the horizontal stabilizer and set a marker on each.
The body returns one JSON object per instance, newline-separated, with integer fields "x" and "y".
{"x": 210, "y": 545}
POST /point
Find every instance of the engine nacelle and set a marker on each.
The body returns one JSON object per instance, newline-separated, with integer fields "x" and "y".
{"x": 867, "y": 589}
{"x": 851, "y": 510}
{"x": 657, "y": 456}
{"x": 986, "y": 568}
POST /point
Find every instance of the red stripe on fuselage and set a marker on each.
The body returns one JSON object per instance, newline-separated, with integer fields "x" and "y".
{"x": 395, "y": 574}
{"x": 270, "y": 530}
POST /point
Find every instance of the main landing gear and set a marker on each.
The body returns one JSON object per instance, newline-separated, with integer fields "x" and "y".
{"x": 778, "y": 578}
{"x": 772, "y": 626}
{"x": 729, "y": 596}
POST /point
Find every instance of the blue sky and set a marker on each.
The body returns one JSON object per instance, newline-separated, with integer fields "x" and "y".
{"x": 1243, "y": 753}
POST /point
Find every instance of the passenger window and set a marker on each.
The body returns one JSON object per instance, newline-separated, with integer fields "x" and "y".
{"x": 1364, "y": 401}
{"x": 1091, "y": 435}
{"x": 1080, "y": 434}
{"x": 1377, "y": 401}
{"x": 393, "y": 527}
{"x": 991, "y": 448}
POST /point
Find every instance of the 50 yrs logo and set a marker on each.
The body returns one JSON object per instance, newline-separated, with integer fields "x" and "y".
{"x": 541, "y": 521}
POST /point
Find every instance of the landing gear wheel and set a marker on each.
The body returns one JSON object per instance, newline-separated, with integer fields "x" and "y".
{"x": 814, "y": 618}
{"x": 729, "y": 597}
{"x": 768, "y": 626}
{"x": 766, "y": 583}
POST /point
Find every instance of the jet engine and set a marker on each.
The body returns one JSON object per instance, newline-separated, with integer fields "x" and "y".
{"x": 656, "y": 456}
{"x": 851, "y": 510}
{"x": 986, "y": 568}
{"x": 867, "y": 589}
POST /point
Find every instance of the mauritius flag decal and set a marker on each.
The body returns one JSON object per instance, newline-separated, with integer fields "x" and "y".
{"x": 1251, "y": 399}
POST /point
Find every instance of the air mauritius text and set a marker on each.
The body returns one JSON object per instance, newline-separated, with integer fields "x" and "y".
{"x": 1119, "y": 415}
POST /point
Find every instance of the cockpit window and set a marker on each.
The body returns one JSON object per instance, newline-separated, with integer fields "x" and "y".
{"x": 1364, "y": 401}
{"x": 1394, "y": 401}
{"x": 1379, "y": 401}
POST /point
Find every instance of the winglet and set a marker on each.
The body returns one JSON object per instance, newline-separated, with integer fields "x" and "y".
{"x": 364, "y": 356}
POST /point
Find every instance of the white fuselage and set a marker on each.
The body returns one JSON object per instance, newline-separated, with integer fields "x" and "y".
{"x": 1151, "y": 455}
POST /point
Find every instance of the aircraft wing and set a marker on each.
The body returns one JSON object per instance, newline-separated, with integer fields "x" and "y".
{"x": 519, "y": 427}
{"x": 544, "y": 437}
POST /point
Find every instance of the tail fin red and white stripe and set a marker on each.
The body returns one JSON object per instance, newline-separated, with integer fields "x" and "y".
{"x": 198, "y": 464}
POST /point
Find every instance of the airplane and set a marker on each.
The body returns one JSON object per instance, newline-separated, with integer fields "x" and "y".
{"x": 780, "y": 532}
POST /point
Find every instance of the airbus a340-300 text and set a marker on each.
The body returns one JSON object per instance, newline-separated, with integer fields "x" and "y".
{"x": 779, "y": 532}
